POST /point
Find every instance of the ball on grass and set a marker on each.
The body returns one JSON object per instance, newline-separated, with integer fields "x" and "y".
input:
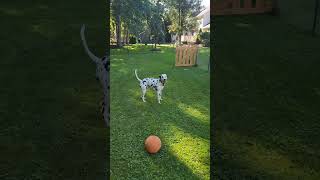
{"x": 152, "y": 144}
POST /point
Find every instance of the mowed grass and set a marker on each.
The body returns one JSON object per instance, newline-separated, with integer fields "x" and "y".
{"x": 51, "y": 127}
{"x": 181, "y": 121}
{"x": 266, "y": 99}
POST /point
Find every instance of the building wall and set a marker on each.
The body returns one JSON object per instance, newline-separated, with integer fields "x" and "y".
{"x": 206, "y": 19}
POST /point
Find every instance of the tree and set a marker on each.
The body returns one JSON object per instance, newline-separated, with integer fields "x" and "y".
{"x": 156, "y": 22}
{"x": 181, "y": 14}
{"x": 116, "y": 6}
{"x": 129, "y": 17}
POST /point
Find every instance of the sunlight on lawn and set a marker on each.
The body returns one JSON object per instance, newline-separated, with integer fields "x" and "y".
{"x": 193, "y": 151}
{"x": 261, "y": 159}
{"x": 191, "y": 111}
{"x": 117, "y": 59}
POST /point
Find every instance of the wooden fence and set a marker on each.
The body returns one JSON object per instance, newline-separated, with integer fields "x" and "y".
{"x": 229, "y": 7}
{"x": 186, "y": 55}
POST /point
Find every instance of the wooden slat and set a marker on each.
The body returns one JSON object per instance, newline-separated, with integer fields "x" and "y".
{"x": 195, "y": 55}
{"x": 177, "y": 55}
{"x": 247, "y": 4}
{"x": 186, "y": 55}
{"x": 191, "y": 55}
{"x": 180, "y": 55}
{"x": 259, "y": 4}
{"x": 223, "y": 8}
{"x": 236, "y": 4}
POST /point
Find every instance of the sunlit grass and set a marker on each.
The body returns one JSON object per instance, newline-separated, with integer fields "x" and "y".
{"x": 193, "y": 151}
{"x": 194, "y": 112}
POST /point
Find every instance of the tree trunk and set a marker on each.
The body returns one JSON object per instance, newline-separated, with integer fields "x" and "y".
{"x": 118, "y": 31}
{"x": 155, "y": 42}
{"x": 180, "y": 26}
{"x": 127, "y": 35}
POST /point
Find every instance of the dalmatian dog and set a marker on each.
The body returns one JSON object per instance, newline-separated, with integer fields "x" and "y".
{"x": 102, "y": 75}
{"x": 156, "y": 83}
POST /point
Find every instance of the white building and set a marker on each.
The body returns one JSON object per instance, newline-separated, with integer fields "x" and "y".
{"x": 204, "y": 20}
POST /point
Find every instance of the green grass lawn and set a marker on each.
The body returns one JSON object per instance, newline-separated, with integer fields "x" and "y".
{"x": 49, "y": 99}
{"x": 181, "y": 121}
{"x": 266, "y": 99}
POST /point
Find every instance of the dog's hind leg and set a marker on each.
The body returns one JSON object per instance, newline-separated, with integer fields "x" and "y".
{"x": 144, "y": 90}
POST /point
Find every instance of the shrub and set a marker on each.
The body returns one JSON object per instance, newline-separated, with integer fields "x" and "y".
{"x": 132, "y": 40}
{"x": 205, "y": 38}
{"x": 184, "y": 42}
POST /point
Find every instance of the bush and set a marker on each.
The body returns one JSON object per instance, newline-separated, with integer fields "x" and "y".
{"x": 184, "y": 42}
{"x": 132, "y": 40}
{"x": 205, "y": 38}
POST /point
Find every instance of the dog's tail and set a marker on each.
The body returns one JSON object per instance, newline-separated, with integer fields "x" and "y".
{"x": 135, "y": 72}
{"x": 84, "y": 42}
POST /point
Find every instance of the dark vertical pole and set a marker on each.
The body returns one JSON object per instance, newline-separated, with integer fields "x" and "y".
{"x": 315, "y": 18}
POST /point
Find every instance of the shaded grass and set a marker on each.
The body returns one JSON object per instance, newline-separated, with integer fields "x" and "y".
{"x": 49, "y": 107}
{"x": 181, "y": 121}
{"x": 266, "y": 100}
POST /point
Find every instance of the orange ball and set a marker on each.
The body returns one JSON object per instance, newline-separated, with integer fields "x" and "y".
{"x": 152, "y": 144}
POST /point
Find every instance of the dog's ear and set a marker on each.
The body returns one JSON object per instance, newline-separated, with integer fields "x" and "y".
{"x": 160, "y": 77}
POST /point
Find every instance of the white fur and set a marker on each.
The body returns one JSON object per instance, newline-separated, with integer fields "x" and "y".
{"x": 156, "y": 83}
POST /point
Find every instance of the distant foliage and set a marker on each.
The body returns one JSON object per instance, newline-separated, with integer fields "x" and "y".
{"x": 205, "y": 38}
{"x": 132, "y": 40}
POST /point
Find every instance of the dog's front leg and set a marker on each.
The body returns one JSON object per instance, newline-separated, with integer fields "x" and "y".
{"x": 159, "y": 96}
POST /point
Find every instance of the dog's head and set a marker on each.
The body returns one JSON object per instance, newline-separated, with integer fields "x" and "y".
{"x": 163, "y": 78}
